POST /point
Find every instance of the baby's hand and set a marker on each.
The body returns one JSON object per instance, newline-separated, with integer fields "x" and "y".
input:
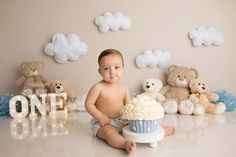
{"x": 104, "y": 120}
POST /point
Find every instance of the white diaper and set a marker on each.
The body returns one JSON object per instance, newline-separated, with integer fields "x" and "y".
{"x": 118, "y": 124}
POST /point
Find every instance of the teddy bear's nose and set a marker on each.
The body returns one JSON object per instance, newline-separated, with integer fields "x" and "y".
{"x": 148, "y": 86}
{"x": 203, "y": 88}
{"x": 33, "y": 69}
{"x": 58, "y": 87}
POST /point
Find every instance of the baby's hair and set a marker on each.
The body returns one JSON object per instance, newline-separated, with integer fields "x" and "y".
{"x": 110, "y": 52}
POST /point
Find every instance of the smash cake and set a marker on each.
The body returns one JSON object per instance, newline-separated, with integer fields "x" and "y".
{"x": 143, "y": 113}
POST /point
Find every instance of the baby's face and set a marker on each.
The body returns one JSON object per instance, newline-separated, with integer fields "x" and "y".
{"x": 111, "y": 68}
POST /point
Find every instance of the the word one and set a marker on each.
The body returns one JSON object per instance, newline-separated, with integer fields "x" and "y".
{"x": 41, "y": 106}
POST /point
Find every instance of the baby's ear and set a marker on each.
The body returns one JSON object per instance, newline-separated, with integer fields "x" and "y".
{"x": 99, "y": 70}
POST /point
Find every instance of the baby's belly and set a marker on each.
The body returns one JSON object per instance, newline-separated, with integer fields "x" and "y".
{"x": 111, "y": 111}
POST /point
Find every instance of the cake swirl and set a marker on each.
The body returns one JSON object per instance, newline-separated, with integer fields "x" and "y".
{"x": 143, "y": 107}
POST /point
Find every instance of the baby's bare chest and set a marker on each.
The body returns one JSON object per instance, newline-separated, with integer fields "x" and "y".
{"x": 111, "y": 97}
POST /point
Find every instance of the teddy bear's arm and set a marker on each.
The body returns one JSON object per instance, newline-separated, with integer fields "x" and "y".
{"x": 20, "y": 80}
{"x": 194, "y": 98}
{"x": 160, "y": 97}
{"x": 212, "y": 97}
{"x": 71, "y": 95}
{"x": 45, "y": 81}
{"x": 165, "y": 89}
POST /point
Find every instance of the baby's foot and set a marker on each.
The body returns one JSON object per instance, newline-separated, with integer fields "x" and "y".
{"x": 130, "y": 147}
{"x": 169, "y": 130}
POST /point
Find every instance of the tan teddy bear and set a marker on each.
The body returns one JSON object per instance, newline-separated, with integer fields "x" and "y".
{"x": 33, "y": 81}
{"x": 61, "y": 86}
{"x": 201, "y": 97}
{"x": 152, "y": 89}
{"x": 177, "y": 89}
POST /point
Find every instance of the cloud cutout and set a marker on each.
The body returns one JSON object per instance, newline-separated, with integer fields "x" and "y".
{"x": 152, "y": 59}
{"x": 66, "y": 48}
{"x": 207, "y": 36}
{"x": 113, "y": 22}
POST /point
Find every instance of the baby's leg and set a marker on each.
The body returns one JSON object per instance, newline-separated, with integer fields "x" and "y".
{"x": 169, "y": 130}
{"x": 111, "y": 136}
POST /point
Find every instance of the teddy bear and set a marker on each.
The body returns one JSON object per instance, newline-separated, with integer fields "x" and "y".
{"x": 202, "y": 97}
{"x": 152, "y": 89}
{"x": 61, "y": 86}
{"x": 32, "y": 79}
{"x": 177, "y": 91}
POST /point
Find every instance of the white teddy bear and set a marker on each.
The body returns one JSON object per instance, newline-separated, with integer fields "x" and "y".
{"x": 152, "y": 88}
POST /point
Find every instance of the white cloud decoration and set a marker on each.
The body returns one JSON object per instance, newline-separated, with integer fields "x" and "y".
{"x": 152, "y": 59}
{"x": 113, "y": 21}
{"x": 207, "y": 36}
{"x": 66, "y": 48}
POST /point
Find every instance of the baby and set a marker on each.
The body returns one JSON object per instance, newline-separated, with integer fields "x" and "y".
{"x": 106, "y": 99}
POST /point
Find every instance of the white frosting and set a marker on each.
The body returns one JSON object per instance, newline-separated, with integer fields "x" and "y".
{"x": 143, "y": 107}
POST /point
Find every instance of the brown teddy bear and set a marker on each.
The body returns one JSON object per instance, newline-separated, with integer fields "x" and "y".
{"x": 61, "y": 86}
{"x": 201, "y": 97}
{"x": 177, "y": 89}
{"x": 33, "y": 81}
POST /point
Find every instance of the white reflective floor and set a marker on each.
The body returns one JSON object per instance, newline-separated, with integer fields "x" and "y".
{"x": 195, "y": 136}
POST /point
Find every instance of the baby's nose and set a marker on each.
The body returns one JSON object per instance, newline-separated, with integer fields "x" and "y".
{"x": 112, "y": 70}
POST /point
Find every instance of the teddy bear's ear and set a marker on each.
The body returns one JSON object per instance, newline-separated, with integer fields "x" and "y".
{"x": 195, "y": 71}
{"x": 51, "y": 85}
{"x": 170, "y": 68}
{"x": 41, "y": 64}
{"x": 23, "y": 65}
{"x": 144, "y": 81}
{"x": 50, "y": 82}
{"x": 191, "y": 83}
{"x": 66, "y": 82}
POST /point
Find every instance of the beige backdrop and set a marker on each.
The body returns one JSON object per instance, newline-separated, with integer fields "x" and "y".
{"x": 26, "y": 26}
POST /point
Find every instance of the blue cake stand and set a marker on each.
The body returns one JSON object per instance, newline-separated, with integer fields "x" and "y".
{"x": 151, "y": 138}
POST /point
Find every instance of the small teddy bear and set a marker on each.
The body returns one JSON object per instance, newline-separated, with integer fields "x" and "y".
{"x": 152, "y": 89}
{"x": 61, "y": 86}
{"x": 34, "y": 82}
{"x": 176, "y": 91}
{"x": 201, "y": 97}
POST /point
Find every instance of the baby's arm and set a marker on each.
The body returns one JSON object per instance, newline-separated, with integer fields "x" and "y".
{"x": 91, "y": 108}
{"x": 127, "y": 97}
{"x": 126, "y": 101}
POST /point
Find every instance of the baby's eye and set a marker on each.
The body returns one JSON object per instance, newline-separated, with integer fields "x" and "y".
{"x": 117, "y": 67}
{"x": 106, "y": 68}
